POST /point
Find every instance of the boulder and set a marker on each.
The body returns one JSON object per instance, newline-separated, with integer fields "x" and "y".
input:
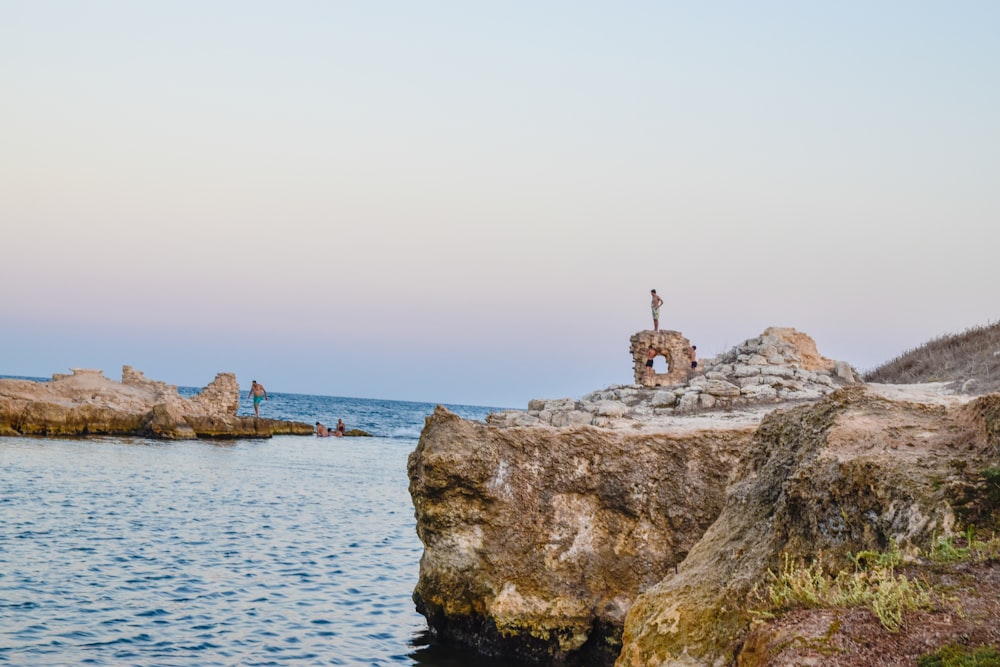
{"x": 537, "y": 541}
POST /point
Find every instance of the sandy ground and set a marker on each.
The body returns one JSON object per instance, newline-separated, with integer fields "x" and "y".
{"x": 931, "y": 393}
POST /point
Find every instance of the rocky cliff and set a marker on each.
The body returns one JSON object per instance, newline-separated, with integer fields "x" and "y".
{"x": 623, "y": 527}
{"x": 537, "y": 541}
{"x": 855, "y": 472}
{"x": 87, "y": 403}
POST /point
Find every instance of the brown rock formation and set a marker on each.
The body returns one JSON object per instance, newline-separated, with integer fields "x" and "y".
{"x": 853, "y": 472}
{"x": 784, "y": 343}
{"x": 87, "y": 403}
{"x": 537, "y": 541}
{"x": 541, "y": 527}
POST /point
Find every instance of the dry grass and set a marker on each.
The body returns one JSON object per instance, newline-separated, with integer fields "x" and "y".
{"x": 969, "y": 360}
{"x": 873, "y": 583}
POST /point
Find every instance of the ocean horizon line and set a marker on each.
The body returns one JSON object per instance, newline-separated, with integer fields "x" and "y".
{"x": 192, "y": 389}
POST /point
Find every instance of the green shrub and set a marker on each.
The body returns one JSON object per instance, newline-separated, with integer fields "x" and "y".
{"x": 968, "y": 547}
{"x": 992, "y": 477}
{"x": 954, "y": 655}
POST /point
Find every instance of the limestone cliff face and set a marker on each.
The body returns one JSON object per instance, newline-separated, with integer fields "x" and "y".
{"x": 630, "y": 527}
{"x": 538, "y": 540}
{"x": 87, "y": 403}
{"x": 855, "y": 471}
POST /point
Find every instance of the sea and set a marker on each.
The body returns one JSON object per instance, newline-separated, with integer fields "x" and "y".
{"x": 292, "y": 550}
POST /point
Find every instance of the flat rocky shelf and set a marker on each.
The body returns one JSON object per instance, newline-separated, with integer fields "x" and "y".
{"x": 87, "y": 403}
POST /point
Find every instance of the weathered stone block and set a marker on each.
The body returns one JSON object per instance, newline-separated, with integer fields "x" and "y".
{"x": 721, "y": 388}
{"x": 663, "y": 399}
{"x": 688, "y": 402}
{"x": 570, "y": 418}
{"x": 610, "y": 408}
{"x": 759, "y": 392}
{"x": 560, "y": 404}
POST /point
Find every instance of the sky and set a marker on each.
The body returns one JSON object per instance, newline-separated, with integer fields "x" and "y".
{"x": 468, "y": 202}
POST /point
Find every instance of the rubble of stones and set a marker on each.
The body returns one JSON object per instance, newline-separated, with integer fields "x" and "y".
{"x": 761, "y": 371}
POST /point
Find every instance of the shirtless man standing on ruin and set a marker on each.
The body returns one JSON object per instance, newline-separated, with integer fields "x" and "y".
{"x": 655, "y": 305}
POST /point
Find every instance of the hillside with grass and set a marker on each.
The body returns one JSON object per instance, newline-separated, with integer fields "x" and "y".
{"x": 969, "y": 361}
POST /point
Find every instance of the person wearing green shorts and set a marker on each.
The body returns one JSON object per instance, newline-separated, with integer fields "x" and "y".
{"x": 258, "y": 393}
{"x": 657, "y": 302}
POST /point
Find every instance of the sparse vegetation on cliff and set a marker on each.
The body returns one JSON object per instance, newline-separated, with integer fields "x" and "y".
{"x": 955, "y": 655}
{"x": 883, "y": 611}
{"x": 969, "y": 360}
{"x": 967, "y": 547}
{"x": 873, "y": 583}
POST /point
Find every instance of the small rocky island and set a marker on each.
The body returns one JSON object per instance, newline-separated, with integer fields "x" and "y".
{"x": 87, "y": 403}
{"x": 655, "y": 524}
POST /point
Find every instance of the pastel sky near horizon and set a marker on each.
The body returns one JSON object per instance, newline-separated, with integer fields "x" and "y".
{"x": 468, "y": 202}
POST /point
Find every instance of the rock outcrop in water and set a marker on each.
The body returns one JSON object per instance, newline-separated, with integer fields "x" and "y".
{"x": 87, "y": 403}
{"x": 637, "y": 533}
{"x": 537, "y": 541}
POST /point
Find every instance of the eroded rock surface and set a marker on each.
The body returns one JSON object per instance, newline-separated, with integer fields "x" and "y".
{"x": 537, "y": 541}
{"x": 543, "y": 527}
{"x": 87, "y": 403}
{"x": 856, "y": 471}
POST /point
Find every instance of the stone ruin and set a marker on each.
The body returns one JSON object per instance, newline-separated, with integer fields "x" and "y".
{"x": 220, "y": 397}
{"x": 780, "y": 365}
{"x": 670, "y": 345}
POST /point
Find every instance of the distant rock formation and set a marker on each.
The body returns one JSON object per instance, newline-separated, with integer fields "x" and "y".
{"x": 544, "y": 530}
{"x": 87, "y": 403}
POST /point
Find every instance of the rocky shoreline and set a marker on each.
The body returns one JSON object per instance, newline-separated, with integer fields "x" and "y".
{"x": 634, "y": 525}
{"x": 86, "y": 403}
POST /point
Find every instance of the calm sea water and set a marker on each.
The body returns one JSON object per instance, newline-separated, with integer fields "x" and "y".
{"x": 286, "y": 551}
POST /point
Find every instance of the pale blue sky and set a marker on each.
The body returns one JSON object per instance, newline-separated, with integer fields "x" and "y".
{"x": 468, "y": 202}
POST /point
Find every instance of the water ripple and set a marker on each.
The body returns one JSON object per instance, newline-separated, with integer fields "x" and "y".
{"x": 277, "y": 552}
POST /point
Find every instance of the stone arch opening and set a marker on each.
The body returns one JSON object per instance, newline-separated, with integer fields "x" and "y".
{"x": 672, "y": 346}
{"x": 661, "y": 361}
